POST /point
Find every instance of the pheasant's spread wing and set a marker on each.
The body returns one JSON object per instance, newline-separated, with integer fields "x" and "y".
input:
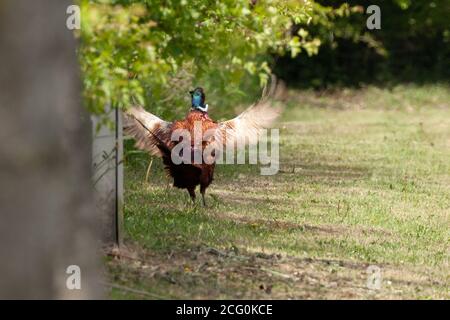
{"x": 245, "y": 128}
{"x": 144, "y": 127}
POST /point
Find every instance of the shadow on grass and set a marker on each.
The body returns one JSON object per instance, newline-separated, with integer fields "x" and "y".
{"x": 326, "y": 172}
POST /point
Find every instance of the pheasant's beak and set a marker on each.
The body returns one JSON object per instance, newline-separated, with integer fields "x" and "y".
{"x": 191, "y": 92}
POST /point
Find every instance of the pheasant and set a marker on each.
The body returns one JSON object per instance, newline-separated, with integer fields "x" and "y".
{"x": 156, "y": 136}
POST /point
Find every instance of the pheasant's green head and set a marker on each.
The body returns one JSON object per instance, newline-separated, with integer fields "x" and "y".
{"x": 198, "y": 99}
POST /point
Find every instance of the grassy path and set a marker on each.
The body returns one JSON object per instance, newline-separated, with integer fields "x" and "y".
{"x": 364, "y": 180}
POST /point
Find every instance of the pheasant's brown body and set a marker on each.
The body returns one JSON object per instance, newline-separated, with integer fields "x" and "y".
{"x": 189, "y": 176}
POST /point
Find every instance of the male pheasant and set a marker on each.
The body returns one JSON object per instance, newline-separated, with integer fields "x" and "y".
{"x": 156, "y": 136}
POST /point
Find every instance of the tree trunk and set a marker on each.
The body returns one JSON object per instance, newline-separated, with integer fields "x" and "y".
{"x": 47, "y": 219}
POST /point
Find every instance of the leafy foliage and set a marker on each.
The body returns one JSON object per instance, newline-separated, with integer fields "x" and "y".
{"x": 413, "y": 45}
{"x": 151, "y": 52}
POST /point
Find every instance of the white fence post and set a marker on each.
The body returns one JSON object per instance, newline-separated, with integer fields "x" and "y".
{"x": 107, "y": 163}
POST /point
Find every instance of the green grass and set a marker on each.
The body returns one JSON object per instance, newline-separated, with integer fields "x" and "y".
{"x": 364, "y": 180}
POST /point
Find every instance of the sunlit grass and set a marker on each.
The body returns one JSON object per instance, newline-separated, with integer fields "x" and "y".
{"x": 364, "y": 177}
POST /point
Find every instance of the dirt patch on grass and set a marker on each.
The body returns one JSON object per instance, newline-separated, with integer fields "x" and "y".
{"x": 210, "y": 273}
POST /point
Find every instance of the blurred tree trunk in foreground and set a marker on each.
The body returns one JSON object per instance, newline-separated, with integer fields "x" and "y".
{"x": 46, "y": 213}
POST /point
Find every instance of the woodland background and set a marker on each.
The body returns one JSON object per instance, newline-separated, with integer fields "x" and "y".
{"x": 152, "y": 52}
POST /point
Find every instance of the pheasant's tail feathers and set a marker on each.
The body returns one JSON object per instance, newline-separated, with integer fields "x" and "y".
{"x": 147, "y": 129}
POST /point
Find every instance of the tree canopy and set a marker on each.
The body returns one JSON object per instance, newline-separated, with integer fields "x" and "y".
{"x": 151, "y": 52}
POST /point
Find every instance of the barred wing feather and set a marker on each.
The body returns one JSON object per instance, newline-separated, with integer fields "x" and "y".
{"x": 143, "y": 126}
{"x": 245, "y": 128}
